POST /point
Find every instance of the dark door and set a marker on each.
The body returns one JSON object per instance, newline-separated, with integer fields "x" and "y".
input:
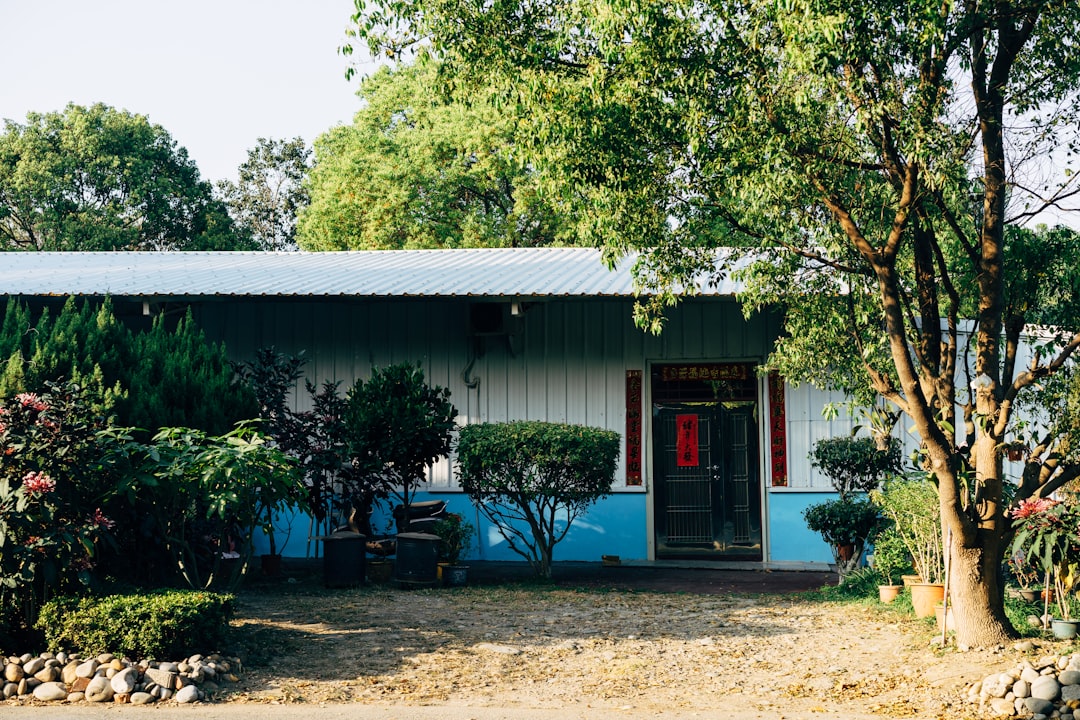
{"x": 707, "y": 487}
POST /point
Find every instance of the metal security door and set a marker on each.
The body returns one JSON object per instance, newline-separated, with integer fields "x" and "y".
{"x": 708, "y": 502}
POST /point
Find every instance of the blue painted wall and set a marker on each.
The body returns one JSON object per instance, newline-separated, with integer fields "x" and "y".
{"x": 791, "y": 540}
{"x": 614, "y": 526}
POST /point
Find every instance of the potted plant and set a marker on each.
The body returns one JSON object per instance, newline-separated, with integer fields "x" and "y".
{"x": 1048, "y": 534}
{"x": 890, "y": 558}
{"x": 456, "y": 534}
{"x": 854, "y": 465}
{"x": 396, "y": 426}
{"x": 845, "y": 524}
{"x": 911, "y": 504}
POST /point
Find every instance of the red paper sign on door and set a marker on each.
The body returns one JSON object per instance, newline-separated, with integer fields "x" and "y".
{"x": 686, "y": 440}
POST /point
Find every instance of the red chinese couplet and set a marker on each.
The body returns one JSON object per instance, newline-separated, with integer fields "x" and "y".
{"x": 633, "y": 427}
{"x": 686, "y": 440}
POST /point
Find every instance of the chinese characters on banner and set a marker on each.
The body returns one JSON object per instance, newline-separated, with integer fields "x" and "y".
{"x": 711, "y": 371}
{"x": 686, "y": 440}
{"x": 777, "y": 431}
{"x": 633, "y": 428}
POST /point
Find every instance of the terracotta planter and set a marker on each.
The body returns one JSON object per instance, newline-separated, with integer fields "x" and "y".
{"x": 910, "y": 580}
{"x": 925, "y": 596}
{"x": 944, "y": 620}
{"x": 888, "y": 593}
{"x": 1029, "y": 594}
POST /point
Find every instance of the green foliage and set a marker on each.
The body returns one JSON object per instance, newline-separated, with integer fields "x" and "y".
{"x": 1048, "y": 535}
{"x": 182, "y": 380}
{"x": 270, "y": 192}
{"x": 890, "y": 556}
{"x": 396, "y": 425}
{"x": 419, "y": 169}
{"x": 843, "y": 521}
{"x": 911, "y": 505}
{"x": 167, "y": 624}
{"x": 533, "y": 479}
{"x": 855, "y": 464}
{"x": 207, "y": 494}
{"x": 53, "y": 488}
{"x": 98, "y": 178}
{"x": 165, "y": 376}
{"x": 456, "y": 534}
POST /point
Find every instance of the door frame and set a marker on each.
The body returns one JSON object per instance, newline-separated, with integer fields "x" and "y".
{"x": 648, "y": 442}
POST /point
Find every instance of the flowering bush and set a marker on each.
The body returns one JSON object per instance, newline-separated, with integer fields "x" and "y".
{"x": 52, "y": 491}
{"x": 1048, "y": 535}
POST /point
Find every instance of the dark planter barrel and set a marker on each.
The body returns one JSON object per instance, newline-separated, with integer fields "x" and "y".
{"x": 344, "y": 555}
{"x": 417, "y": 559}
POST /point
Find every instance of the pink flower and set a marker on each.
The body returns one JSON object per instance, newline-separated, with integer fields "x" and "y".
{"x": 32, "y": 401}
{"x": 37, "y": 483}
{"x": 1032, "y": 506}
{"x": 101, "y": 520}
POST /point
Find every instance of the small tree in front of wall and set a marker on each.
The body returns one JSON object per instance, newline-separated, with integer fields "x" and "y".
{"x": 533, "y": 479}
{"x": 853, "y": 465}
{"x": 396, "y": 425}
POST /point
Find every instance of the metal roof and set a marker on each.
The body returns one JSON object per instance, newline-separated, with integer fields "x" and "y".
{"x": 509, "y": 272}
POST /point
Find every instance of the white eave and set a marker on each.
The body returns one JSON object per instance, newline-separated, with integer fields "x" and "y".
{"x": 511, "y": 272}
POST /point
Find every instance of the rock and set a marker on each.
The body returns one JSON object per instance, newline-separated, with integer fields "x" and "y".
{"x": 33, "y": 666}
{"x": 87, "y": 669}
{"x": 1038, "y": 706}
{"x": 1069, "y": 677}
{"x": 1024, "y": 646}
{"x": 168, "y": 667}
{"x": 141, "y": 698}
{"x": 1001, "y": 706}
{"x": 117, "y": 664}
{"x": 994, "y": 686}
{"x": 209, "y": 688}
{"x": 13, "y": 672}
{"x": 1045, "y": 688}
{"x": 164, "y": 678}
{"x": 80, "y": 684}
{"x": 24, "y": 687}
{"x": 124, "y": 681}
{"x": 105, "y": 658}
{"x": 48, "y": 674}
{"x": 99, "y": 690}
{"x": 74, "y": 697}
{"x": 67, "y": 674}
{"x": 10, "y": 690}
{"x": 1030, "y": 674}
{"x": 187, "y": 694}
{"x": 121, "y": 698}
{"x": 51, "y": 692}
{"x": 1070, "y": 694}
{"x": 1021, "y": 688}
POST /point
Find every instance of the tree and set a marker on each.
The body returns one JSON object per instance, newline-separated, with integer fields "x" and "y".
{"x": 270, "y": 192}
{"x": 396, "y": 425}
{"x": 871, "y": 158}
{"x": 97, "y": 178}
{"x": 417, "y": 169}
{"x": 533, "y": 479}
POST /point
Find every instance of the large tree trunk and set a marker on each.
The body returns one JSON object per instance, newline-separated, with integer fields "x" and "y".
{"x": 976, "y": 595}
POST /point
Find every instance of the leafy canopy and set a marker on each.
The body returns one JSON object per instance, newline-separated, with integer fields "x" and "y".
{"x": 98, "y": 178}
{"x": 420, "y": 169}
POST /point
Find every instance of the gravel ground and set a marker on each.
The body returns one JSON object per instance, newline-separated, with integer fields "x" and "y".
{"x": 601, "y": 646}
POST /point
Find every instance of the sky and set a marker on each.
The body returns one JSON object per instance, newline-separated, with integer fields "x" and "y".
{"x": 215, "y": 74}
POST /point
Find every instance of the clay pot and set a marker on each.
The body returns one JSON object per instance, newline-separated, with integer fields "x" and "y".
{"x": 888, "y": 593}
{"x": 925, "y": 596}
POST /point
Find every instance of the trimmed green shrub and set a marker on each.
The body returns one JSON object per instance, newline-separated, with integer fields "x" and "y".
{"x": 855, "y": 464}
{"x": 533, "y": 479}
{"x": 168, "y": 624}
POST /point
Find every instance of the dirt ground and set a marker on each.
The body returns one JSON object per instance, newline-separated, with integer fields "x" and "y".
{"x": 600, "y": 639}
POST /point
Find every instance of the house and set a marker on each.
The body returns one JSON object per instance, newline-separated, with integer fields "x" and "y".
{"x": 714, "y": 459}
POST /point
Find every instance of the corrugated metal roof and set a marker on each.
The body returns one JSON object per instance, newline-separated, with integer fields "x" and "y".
{"x": 514, "y": 272}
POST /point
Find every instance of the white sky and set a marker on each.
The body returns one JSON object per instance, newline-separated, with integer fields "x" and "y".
{"x": 216, "y": 74}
